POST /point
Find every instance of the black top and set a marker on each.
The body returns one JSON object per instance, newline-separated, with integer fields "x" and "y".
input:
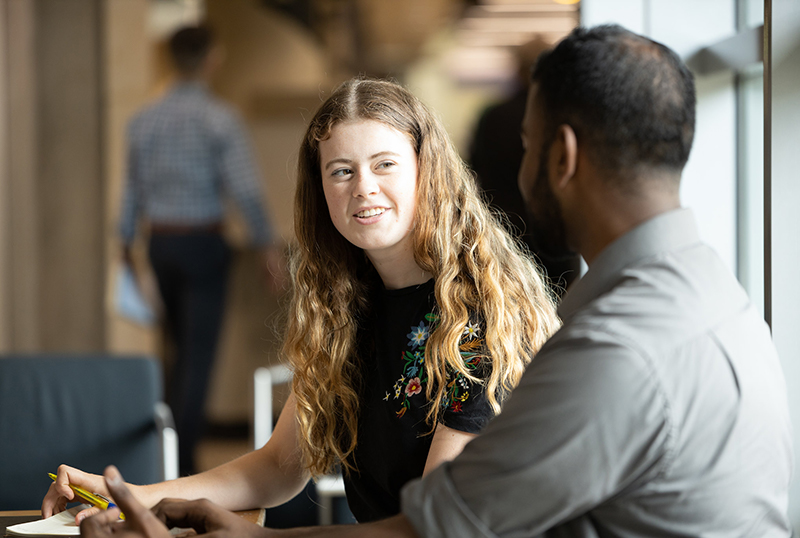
{"x": 393, "y": 436}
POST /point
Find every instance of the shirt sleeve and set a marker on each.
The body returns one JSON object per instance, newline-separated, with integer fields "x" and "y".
{"x": 465, "y": 406}
{"x": 240, "y": 180}
{"x": 586, "y": 421}
{"x": 131, "y": 197}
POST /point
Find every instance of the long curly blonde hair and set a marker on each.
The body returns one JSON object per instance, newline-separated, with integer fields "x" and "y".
{"x": 478, "y": 270}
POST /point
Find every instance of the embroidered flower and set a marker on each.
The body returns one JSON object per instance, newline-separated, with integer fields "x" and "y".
{"x": 418, "y": 335}
{"x": 386, "y": 398}
{"x": 472, "y": 330}
{"x": 413, "y": 375}
{"x": 414, "y": 387}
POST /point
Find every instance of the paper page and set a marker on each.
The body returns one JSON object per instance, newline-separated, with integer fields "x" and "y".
{"x": 61, "y": 524}
{"x": 128, "y": 298}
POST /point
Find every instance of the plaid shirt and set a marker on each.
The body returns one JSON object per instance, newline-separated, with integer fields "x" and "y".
{"x": 187, "y": 153}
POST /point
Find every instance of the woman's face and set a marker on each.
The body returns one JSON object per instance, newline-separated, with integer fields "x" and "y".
{"x": 369, "y": 176}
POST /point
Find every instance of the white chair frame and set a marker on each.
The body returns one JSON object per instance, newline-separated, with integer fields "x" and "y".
{"x": 264, "y": 379}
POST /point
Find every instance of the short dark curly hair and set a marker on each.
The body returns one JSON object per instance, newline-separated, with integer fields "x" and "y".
{"x": 630, "y": 98}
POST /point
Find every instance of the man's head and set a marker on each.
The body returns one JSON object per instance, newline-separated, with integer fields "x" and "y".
{"x": 628, "y": 104}
{"x": 631, "y": 99}
{"x": 190, "y": 48}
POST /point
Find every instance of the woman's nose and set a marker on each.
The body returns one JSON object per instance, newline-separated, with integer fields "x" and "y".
{"x": 366, "y": 185}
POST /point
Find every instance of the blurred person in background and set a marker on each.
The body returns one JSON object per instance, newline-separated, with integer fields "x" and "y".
{"x": 187, "y": 154}
{"x": 496, "y": 155}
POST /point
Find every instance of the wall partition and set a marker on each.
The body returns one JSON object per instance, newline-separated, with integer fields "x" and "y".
{"x": 51, "y": 183}
{"x": 783, "y": 201}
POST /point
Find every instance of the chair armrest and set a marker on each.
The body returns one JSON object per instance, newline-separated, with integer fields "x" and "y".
{"x": 168, "y": 437}
{"x": 263, "y": 381}
{"x": 328, "y": 487}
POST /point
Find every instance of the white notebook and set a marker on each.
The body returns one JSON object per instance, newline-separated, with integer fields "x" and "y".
{"x": 61, "y": 524}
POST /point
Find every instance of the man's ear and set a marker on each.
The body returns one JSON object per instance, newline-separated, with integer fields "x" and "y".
{"x": 563, "y": 158}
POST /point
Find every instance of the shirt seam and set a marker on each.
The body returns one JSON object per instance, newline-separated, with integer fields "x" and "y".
{"x": 670, "y": 451}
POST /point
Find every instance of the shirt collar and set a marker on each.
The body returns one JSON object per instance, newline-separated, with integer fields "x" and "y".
{"x": 662, "y": 233}
{"x": 190, "y": 86}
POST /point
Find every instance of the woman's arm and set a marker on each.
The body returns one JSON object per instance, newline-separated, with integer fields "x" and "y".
{"x": 209, "y": 519}
{"x": 266, "y": 477}
{"x": 447, "y": 444}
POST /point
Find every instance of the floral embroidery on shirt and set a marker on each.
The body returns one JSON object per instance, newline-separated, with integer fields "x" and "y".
{"x": 472, "y": 330}
{"x": 410, "y": 383}
{"x": 414, "y": 387}
{"x": 418, "y": 335}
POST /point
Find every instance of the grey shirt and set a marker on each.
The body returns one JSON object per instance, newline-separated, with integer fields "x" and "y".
{"x": 658, "y": 409}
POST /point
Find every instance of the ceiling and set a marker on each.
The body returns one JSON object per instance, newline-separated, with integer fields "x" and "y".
{"x": 493, "y": 36}
{"x": 382, "y": 37}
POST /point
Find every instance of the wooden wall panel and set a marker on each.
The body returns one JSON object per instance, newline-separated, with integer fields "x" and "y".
{"x": 70, "y": 176}
{"x": 22, "y": 248}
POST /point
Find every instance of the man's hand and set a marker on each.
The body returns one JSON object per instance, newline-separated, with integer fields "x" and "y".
{"x": 275, "y": 271}
{"x": 139, "y": 521}
{"x": 203, "y": 516}
{"x": 206, "y": 517}
{"x": 127, "y": 255}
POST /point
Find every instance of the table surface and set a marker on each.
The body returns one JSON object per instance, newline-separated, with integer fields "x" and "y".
{"x": 9, "y": 518}
{"x": 13, "y": 517}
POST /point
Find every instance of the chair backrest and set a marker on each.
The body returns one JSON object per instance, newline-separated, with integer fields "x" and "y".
{"x": 85, "y": 411}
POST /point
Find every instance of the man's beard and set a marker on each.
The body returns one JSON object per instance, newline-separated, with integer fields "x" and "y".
{"x": 549, "y": 230}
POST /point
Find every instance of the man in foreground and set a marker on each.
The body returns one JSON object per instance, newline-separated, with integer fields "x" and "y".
{"x": 659, "y": 408}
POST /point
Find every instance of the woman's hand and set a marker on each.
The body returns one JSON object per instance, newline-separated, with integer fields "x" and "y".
{"x": 60, "y": 493}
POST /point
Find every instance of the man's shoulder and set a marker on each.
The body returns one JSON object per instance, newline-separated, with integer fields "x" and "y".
{"x": 211, "y": 112}
{"x": 146, "y": 114}
{"x": 657, "y": 313}
{"x": 220, "y": 109}
{"x": 679, "y": 294}
{"x": 676, "y": 316}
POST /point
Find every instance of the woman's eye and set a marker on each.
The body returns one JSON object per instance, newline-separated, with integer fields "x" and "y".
{"x": 341, "y": 172}
{"x": 386, "y": 164}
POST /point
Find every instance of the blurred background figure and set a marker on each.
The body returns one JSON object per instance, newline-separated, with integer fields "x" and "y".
{"x": 496, "y": 154}
{"x": 187, "y": 154}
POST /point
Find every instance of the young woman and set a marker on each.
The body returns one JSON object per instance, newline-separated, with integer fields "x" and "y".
{"x": 413, "y": 314}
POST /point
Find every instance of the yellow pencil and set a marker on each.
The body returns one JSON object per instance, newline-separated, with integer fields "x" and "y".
{"x": 95, "y": 499}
